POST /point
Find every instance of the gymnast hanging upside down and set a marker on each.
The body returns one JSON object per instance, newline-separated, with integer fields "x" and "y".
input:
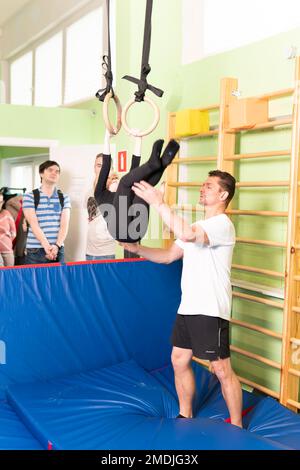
{"x": 126, "y": 214}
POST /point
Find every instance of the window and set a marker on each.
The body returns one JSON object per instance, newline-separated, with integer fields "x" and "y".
{"x": 48, "y": 72}
{"x": 84, "y": 57}
{"x": 21, "y": 176}
{"x": 21, "y": 80}
{"x": 214, "y": 26}
{"x": 23, "y": 172}
{"x": 63, "y": 69}
{"x": 231, "y": 24}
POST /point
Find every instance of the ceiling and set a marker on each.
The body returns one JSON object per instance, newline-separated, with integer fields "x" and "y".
{"x": 10, "y": 7}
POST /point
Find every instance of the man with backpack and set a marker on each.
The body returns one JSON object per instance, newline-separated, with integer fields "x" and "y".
{"x": 47, "y": 212}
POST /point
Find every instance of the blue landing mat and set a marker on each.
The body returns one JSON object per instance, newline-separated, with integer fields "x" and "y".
{"x": 120, "y": 407}
{"x": 13, "y": 434}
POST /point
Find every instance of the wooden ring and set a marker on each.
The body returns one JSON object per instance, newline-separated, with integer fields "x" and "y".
{"x": 153, "y": 125}
{"x": 111, "y": 129}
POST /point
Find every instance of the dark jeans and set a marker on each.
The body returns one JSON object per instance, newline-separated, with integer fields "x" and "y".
{"x": 38, "y": 256}
{"x": 97, "y": 258}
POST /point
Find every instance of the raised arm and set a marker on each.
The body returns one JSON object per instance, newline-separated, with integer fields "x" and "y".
{"x": 176, "y": 224}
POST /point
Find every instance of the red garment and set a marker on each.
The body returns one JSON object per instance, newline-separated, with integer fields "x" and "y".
{"x": 7, "y": 232}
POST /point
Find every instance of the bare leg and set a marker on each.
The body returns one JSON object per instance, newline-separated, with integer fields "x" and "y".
{"x": 231, "y": 389}
{"x": 184, "y": 380}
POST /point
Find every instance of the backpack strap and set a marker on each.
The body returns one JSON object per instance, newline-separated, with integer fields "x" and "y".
{"x": 61, "y": 198}
{"x": 36, "y": 197}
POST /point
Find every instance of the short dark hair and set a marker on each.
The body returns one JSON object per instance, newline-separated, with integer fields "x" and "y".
{"x": 226, "y": 181}
{"x": 100, "y": 155}
{"x": 47, "y": 164}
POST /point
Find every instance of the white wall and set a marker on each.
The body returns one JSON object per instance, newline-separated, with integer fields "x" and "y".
{"x": 77, "y": 176}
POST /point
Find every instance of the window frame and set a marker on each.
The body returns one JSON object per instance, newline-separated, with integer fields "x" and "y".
{"x": 61, "y": 27}
{"x": 30, "y": 160}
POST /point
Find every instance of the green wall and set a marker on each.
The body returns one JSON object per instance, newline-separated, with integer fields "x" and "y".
{"x": 68, "y": 126}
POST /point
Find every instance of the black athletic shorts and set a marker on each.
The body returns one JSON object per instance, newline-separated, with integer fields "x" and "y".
{"x": 207, "y": 337}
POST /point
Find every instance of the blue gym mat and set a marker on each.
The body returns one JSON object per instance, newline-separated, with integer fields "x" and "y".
{"x": 121, "y": 407}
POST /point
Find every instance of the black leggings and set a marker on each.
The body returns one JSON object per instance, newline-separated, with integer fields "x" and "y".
{"x": 126, "y": 214}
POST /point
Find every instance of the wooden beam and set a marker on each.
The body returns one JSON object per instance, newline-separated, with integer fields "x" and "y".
{"x": 276, "y": 94}
{"x": 171, "y": 175}
{"x": 293, "y": 403}
{"x": 263, "y": 125}
{"x": 192, "y": 160}
{"x": 263, "y": 389}
{"x": 260, "y": 242}
{"x": 253, "y": 298}
{"x": 289, "y": 387}
{"x": 244, "y": 184}
{"x": 244, "y": 156}
{"x": 260, "y": 213}
{"x": 259, "y": 329}
{"x": 210, "y": 133}
{"x": 256, "y": 357}
{"x": 294, "y": 372}
{"x": 250, "y": 269}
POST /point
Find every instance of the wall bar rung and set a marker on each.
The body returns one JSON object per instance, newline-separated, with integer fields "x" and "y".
{"x": 263, "y": 389}
{"x": 185, "y": 184}
{"x": 294, "y": 403}
{"x": 276, "y": 94}
{"x": 244, "y": 184}
{"x": 258, "y": 270}
{"x": 184, "y": 161}
{"x": 295, "y": 341}
{"x": 261, "y": 242}
{"x": 294, "y": 372}
{"x": 213, "y": 107}
{"x": 244, "y": 156}
{"x": 263, "y": 125}
{"x": 204, "y": 134}
{"x": 256, "y": 357}
{"x": 296, "y": 309}
{"x": 193, "y": 208}
{"x": 262, "y": 184}
{"x": 253, "y": 298}
{"x": 260, "y": 213}
{"x": 259, "y": 329}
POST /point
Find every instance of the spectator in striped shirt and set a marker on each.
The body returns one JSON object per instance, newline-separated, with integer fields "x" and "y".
{"x": 48, "y": 220}
{"x": 7, "y": 234}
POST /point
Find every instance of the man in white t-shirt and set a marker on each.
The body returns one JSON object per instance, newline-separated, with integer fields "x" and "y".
{"x": 202, "y": 324}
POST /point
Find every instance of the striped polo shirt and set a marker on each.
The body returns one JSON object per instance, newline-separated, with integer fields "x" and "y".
{"x": 48, "y": 214}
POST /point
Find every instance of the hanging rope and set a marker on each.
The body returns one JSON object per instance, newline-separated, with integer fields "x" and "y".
{"x": 142, "y": 83}
{"x": 106, "y": 64}
{"x": 107, "y": 93}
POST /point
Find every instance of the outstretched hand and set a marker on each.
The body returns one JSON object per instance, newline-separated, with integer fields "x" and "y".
{"x": 148, "y": 193}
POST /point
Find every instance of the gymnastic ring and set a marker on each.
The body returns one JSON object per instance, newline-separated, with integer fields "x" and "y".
{"x": 153, "y": 125}
{"x": 108, "y": 125}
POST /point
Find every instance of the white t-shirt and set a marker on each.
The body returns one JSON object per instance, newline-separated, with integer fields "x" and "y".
{"x": 205, "y": 281}
{"x": 99, "y": 240}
